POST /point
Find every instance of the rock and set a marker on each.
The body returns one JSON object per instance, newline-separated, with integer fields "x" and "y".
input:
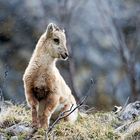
{"x": 117, "y": 109}
{"x": 129, "y": 129}
{"x": 131, "y": 111}
{"x": 133, "y": 127}
{"x": 2, "y": 137}
{"x": 19, "y": 128}
{"x": 14, "y": 138}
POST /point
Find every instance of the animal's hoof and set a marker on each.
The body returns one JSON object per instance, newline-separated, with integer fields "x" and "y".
{"x": 34, "y": 125}
{"x": 44, "y": 126}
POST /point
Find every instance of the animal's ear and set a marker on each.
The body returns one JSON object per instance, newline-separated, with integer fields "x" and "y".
{"x": 56, "y": 27}
{"x": 51, "y": 28}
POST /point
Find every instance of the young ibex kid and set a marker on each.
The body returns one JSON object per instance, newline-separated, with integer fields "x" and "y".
{"x": 45, "y": 89}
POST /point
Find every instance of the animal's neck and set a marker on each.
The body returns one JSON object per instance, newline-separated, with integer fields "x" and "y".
{"x": 48, "y": 61}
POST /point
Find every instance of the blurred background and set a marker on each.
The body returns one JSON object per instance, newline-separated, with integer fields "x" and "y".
{"x": 103, "y": 38}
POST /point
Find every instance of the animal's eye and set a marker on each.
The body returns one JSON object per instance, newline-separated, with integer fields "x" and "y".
{"x": 56, "y": 40}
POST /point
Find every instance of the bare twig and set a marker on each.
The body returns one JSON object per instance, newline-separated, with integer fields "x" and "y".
{"x": 70, "y": 111}
{"x": 127, "y": 100}
{"x": 124, "y": 106}
{"x": 61, "y": 116}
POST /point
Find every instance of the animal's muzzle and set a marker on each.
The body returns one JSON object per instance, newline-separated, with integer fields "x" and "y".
{"x": 64, "y": 55}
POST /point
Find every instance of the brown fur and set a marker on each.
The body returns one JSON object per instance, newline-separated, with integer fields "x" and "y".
{"x": 45, "y": 89}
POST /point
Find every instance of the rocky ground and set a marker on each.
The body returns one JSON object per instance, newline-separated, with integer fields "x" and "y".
{"x": 92, "y": 34}
{"x": 15, "y": 124}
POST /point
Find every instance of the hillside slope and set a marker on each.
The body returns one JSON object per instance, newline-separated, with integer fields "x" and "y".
{"x": 15, "y": 123}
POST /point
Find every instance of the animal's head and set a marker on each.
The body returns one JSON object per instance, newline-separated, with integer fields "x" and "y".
{"x": 57, "y": 42}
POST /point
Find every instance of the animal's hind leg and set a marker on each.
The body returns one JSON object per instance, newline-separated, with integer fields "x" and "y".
{"x": 73, "y": 116}
{"x": 46, "y": 108}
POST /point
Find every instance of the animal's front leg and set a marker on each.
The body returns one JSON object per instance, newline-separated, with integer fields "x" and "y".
{"x": 34, "y": 116}
{"x": 32, "y": 101}
{"x": 46, "y": 108}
